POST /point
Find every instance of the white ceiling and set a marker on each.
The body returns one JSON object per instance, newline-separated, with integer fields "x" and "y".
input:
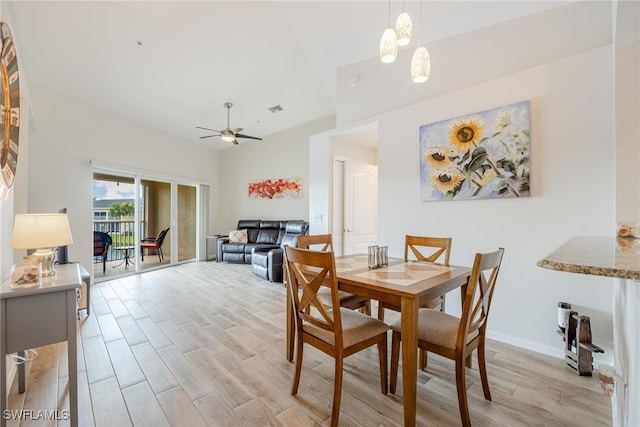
{"x": 172, "y": 64}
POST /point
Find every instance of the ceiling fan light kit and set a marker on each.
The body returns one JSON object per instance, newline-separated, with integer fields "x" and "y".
{"x": 228, "y": 134}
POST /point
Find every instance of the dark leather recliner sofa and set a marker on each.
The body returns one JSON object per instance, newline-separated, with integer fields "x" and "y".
{"x": 261, "y": 234}
{"x": 268, "y": 262}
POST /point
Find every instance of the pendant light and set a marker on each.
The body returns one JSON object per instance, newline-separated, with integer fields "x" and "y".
{"x": 389, "y": 43}
{"x": 404, "y": 28}
{"x": 421, "y": 61}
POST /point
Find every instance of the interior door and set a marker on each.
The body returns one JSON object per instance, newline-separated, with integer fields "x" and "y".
{"x": 360, "y": 207}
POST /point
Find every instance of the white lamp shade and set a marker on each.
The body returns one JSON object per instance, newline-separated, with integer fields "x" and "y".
{"x": 36, "y": 231}
{"x": 420, "y": 65}
{"x": 404, "y": 29}
{"x": 388, "y": 46}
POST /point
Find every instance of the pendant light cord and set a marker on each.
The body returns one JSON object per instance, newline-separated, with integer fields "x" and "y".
{"x": 420, "y": 17}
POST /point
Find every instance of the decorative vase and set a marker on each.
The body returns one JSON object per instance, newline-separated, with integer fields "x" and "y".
{"x": 27, "y": 274}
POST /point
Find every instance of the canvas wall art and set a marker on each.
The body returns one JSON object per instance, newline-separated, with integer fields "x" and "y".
{"x": 485, "y": 155}
{"x": 281, "y": 188}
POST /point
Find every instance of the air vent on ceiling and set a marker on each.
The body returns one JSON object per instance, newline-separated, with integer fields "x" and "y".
{"x": 275, "y": 109}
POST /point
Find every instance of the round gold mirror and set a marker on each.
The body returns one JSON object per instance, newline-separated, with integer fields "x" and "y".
{"x": 9, "y": 110}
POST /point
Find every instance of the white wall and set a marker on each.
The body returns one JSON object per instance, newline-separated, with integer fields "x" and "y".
{"x": 572, "y": 194}
{"x": 282, "y": 155}
{"x": 627, "y": 116}
{"x": 69, "y": 134}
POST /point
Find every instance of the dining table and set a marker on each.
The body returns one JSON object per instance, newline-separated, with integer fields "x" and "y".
{"x": 406, "y": 284}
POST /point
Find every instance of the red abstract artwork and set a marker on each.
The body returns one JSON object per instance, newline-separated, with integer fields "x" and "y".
{"x": 281, "y": 188}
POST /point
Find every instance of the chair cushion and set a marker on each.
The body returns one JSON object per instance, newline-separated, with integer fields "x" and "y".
{"x": 437, "y": 328}
{"x": 324, "y": 295}
{"x": 356, "y": 327}
{"x": 238, "y": 236}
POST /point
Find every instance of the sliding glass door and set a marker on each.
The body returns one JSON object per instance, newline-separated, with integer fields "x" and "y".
{"x": 151, "y": 222}
{"x": 187, "y": 222}
{"x": 154, "y": 216}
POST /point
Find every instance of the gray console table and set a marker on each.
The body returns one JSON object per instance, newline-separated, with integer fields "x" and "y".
{"x": 37, "y": 316}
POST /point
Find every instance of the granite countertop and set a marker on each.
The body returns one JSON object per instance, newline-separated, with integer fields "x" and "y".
{"x": 599, "y": 256}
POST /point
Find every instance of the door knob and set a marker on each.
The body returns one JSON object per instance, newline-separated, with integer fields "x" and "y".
{"x": 348, "y": 230}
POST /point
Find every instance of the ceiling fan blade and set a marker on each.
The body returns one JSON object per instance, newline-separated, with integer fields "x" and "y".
{"x": 236, "y": 130}
{"x": 208, "y": 136}
{"x": 235, "y": 141}
{"x": 212, "y": 130}
{"x": 239, "y": 135}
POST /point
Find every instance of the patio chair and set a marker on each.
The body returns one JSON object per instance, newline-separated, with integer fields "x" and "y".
{"x": 154, "y": 243}
{"x": 101, "y": 243}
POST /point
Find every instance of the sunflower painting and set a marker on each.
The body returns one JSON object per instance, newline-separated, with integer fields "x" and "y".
{"x": 480, "y": 156}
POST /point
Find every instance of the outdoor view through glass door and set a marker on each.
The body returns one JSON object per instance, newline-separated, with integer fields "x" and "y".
{"x": 140, "y": 230}
{"x": 154, "y": 208}
{"x": 114, "y": 231}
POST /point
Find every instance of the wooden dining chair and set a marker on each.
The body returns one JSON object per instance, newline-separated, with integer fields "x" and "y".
{"x": 441, "y": 247}
{"x": 324, "y": 242}
{"x": 338, "y": 332}
{"x": 415, "y": 247}
{"x": 457, "y": 338}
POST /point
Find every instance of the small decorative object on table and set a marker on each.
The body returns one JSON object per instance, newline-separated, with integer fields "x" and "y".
{"x": 628, "y": 229}
{"x": 606, "y": 376}
{"x": 378, "y": 256}
{"x": 27, "y": 274}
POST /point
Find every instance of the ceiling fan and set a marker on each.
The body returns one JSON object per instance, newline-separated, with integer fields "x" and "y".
{"x": 228, "y": 134}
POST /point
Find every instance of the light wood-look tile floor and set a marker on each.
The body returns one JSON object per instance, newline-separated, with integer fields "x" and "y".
{"x": 203, "y": 344}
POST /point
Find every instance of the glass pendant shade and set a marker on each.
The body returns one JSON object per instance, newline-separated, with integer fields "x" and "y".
{"x": 404, "y": 29}
{"x": 420, "y": 65}
{"x": 389, "y": 46}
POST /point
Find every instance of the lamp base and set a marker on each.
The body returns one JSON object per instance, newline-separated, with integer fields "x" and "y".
{"x": 47, "y": 258}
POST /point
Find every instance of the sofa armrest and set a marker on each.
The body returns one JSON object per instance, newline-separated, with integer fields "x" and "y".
{"x": 265, "y": 249}
{"x": 220, "y": 241}
{"x": 276, "y": 259}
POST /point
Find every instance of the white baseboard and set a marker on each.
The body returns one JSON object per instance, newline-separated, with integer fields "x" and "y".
{"x": 556, "y": 352}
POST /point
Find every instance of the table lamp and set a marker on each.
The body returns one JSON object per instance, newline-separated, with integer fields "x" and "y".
{"x": 42, "y": 232}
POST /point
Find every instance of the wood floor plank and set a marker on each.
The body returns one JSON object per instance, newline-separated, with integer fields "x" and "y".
{"x": 216, "y": 411}
{"x": 180, "y": 409}
{"x": 192, "y": 379}
{"x": 109, "y": 327}
{"x": 156, "y": 372}
{"x": 45, "y": 384}
{"x": 130, "y": 329}
{"x": 109, "y": 407}
{"x": 97, "y": 360}
{"x": 178, "y": 336}
{"x": 124, "y": 363}
{"x": 117, "y": 307}
{"x": 135, "y": 309}
{"x": 235, "y": 392}
{"x": 144, "y": 408}
{"x": 154, "y": 334}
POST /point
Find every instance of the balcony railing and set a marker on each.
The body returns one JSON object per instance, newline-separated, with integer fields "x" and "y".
{"x": 122, "y": 234}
